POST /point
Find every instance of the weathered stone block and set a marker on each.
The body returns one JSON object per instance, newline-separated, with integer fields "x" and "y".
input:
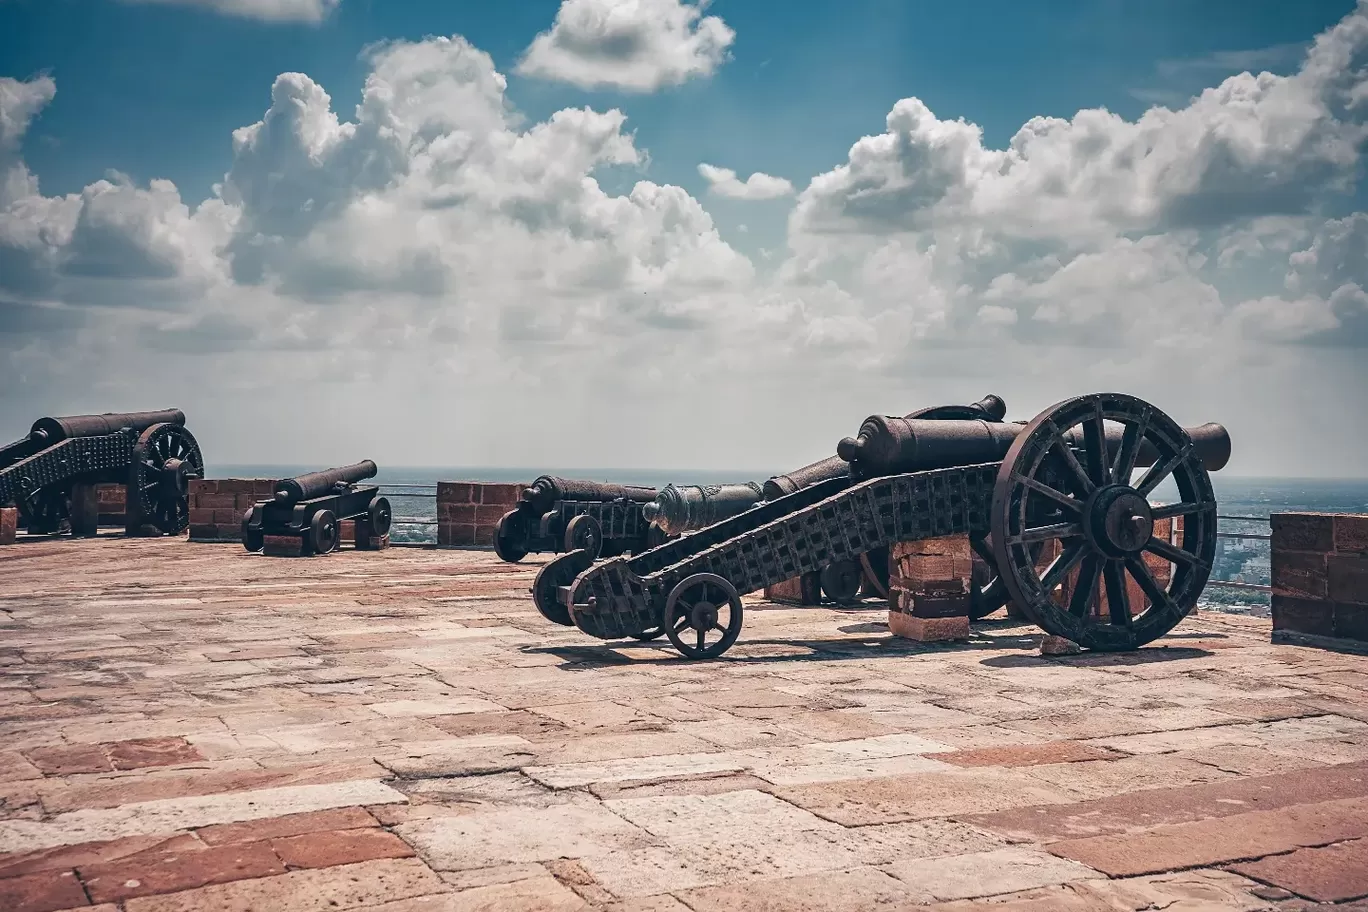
{"x": 1351, "y": 622}
{"x": 283, "y": 546}
{"x": 1052, "y": 645}
{"x": 1312, "y": 616}
{"x": 1351, "y": 534}
{"x": 9, "y": 525}
{"x": 1348, "y": 578}
{"x": 801, "y": 590}
{"x": 1303, "y": 532}
{"x": 455, "y": 492}
{"x": 1300, "y": 574}
{"x": 927, "y": 630}
{"x": 502, "y": 495}
{"x": 85, "y": 510}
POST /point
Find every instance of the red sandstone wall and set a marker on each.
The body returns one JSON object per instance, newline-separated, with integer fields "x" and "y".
{"x": 468, "y": 512}
{"x": 217, "y": 505}
{"x": 1320, "y": 575}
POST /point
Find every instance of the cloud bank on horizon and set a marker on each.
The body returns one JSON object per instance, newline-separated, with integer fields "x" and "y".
{"x": 438, "y": 262}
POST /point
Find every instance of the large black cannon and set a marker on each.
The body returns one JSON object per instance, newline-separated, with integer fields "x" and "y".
{"x": 151, "y": 453}
{"x": 1065, "y": 478}
{"x": 566, "y": 514}
{"x": 309, "y": 508}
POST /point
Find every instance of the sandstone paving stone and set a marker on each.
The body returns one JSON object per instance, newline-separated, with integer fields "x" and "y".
{"x": 149, "y": 874}
{"x": 705, "y": 784}
{"x": 520, "y": 835}
{"x": 41, "y": 892}
{"x": 76, "y": 758}
{"x": 169, "y": 815}
{"x": 642, "y": 769}
{"x": 367, "y": 885}
{"x": 338, "y": 847}
{"x": 524, "y": 724}
{"x": 1209, "y": 842}
{"x": 68, "y": 857}
{"x": 1247, "y": 761}
{"x": 1179, "y": 891}
{"x": 973, "y": 737}
{"x": 1006, "y": 870}
{"x": 1333, "y": 873}
{"x": 428, "y": 708}
{"x": 589, "y": 748}
{"x": 1028, "y": 754}
{"x": 346, "y": 818}
{"x": 1101, "y": 778}
{"x": 917, "y": 796}
{"x": 855, "y": 890}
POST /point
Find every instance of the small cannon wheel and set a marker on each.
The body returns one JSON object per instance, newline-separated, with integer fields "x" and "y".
{"x": 583, "y": 533}
{"x": 46, "y": 511}
{"x": 841, "y": 581}
{"x": 323, "y": 532}
{"x": 696, "y": 604}
{"x": 165, "y": 458}
{"x": 510, "y": 536}
{"x": 1088, "y": 506}
{"x": 252, "y": 539}
{"x": 559, "y": 572}
{"x": 380, "y": 515}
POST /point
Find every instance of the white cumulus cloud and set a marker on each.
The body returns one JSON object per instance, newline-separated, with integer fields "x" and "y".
{"x": 759, "y": 186}
{"x": 265, "y": 10}
{"x": 631, "y": 45}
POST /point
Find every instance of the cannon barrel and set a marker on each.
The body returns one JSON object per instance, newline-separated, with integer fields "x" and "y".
{"x": 687, "y": 508}
{"x": 547, "y": 490}
{"x": 892, "y": 446}
{"x": 47, "y": 431}
{"x": 317, "y": 484}
{"x": 990, "y": 407}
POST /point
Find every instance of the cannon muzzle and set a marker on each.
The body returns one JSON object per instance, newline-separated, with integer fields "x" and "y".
{"x": 687, "y": 508}
{"x": 318, "y": 484}
{"x": 47, "y": 431}
{"x": 990, "y": 407}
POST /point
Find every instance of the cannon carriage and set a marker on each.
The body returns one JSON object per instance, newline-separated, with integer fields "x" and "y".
{"x": 565, "y": 514}
{"x": 151, "y": 453}
{"x": 308, "y": 510}
{"x": 1065, "y": 480}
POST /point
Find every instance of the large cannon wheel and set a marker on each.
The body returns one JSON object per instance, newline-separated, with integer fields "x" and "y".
{"x": 46, "y": 511}
{"x": 1103, "y": 522}
{"x": 165, "y": 458}
{"x": 694, "y": 609}
{"x": 559, "y": 572}
{"x": 510, "y": 537}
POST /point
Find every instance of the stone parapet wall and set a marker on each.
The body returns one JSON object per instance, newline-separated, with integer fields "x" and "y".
{"x": 218, "y": 504}
{"x": 1320, "y": 576}
{"x": 9, "y": 525}
{"x": 468, "y": 512}
{"x": 111, "y": 503}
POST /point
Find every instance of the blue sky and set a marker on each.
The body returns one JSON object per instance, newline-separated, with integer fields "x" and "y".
{"x": 155, "y": 91}
{"x": 1211, "y": 256}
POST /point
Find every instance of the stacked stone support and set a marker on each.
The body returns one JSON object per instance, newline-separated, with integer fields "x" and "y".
{"x": 1320, "y": 578}
{"x": 928, "y": 588}
{"x": 9, "y": 525}
{"x": 468, "y": 512}
{"x": 801, "y": 590}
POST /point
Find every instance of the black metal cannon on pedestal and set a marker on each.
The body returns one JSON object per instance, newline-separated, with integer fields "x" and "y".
{"x": 311, "y": 507}
{"x": 566, "y": 514}
{"x": 151, "y": 453}
{"x": 1066, "y": 478}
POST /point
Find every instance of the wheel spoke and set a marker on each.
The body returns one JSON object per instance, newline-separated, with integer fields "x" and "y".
{"x": 1046, "y": 533}
{"x": 1168, "y": 511}
{"x": 1059, "y": 497}
{"x": 980, "y": 546}
{"x": 1061, "y": 565}
{"x": 1161, "y": 470}
{"x": 1058, "y": 443}
{"x": 1086, "y": 588}
{"x": 702, "y": 640}
{"x": 1158, "y": 597}
{"x": 1095, "y": 447}
{"x": 1118, "y": 600}
{"x": 1124, "y": 466}
{"x": 1172, "y": 553}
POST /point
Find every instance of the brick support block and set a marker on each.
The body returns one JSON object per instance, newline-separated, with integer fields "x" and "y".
{"x": 283, "y": 546}
{"x": 801, "y": 590}
{"x": 85, "y": 510}
{"x": 9, "y": 525}
{"x": 927, "y": 630}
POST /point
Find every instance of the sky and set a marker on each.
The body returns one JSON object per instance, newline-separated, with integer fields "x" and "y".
{"x": 664, "y": 234}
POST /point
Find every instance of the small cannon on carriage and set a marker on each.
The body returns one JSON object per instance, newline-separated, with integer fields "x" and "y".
{"x": 152, "y": 454}
{"x": 307, "y": 512}
{"x": 566, "y": 514}
{"x": 1064, "y": 479}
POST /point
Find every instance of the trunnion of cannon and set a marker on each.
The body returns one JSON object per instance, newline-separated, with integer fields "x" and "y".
{"x": 310, "y": 507}
{"x": 151, "y": 453}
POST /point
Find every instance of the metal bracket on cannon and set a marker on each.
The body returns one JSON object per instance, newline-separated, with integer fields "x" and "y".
{"x": 304, "y": 515}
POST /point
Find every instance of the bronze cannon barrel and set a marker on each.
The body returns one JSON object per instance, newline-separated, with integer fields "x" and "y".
{"x": 317, "y": 484}
{"x": 547, "y": 490}
{"x": 892, "y": 446}
{"x": 990, "y": 407}
{"x": 687, "y": 508}
{"x": 48, "y": 431}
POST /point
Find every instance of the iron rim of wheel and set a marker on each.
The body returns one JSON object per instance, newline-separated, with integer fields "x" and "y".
{"x": 511, "y": 529}
{"x": 1102, "y": 521}
{"x": 324, "y": 534}
{"x": 696, "y": 604}
{"x": 380, "y": 515}
{"x": 165, "y": 459}
{"x": 559, "y": 572}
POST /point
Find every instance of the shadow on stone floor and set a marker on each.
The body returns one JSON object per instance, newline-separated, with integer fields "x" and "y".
{"x": 1143, "y": 656}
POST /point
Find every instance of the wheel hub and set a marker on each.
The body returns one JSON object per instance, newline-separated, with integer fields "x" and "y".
{"x": 1119, "y": 520}
{"x": 703, "y": 616}
{"x": 175, "y": 475}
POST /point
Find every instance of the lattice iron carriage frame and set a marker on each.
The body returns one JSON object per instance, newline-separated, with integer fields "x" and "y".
{"x": 315, "y": 521}
{"x": 836, "y": 520}
{"x": 154, "y": 465}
